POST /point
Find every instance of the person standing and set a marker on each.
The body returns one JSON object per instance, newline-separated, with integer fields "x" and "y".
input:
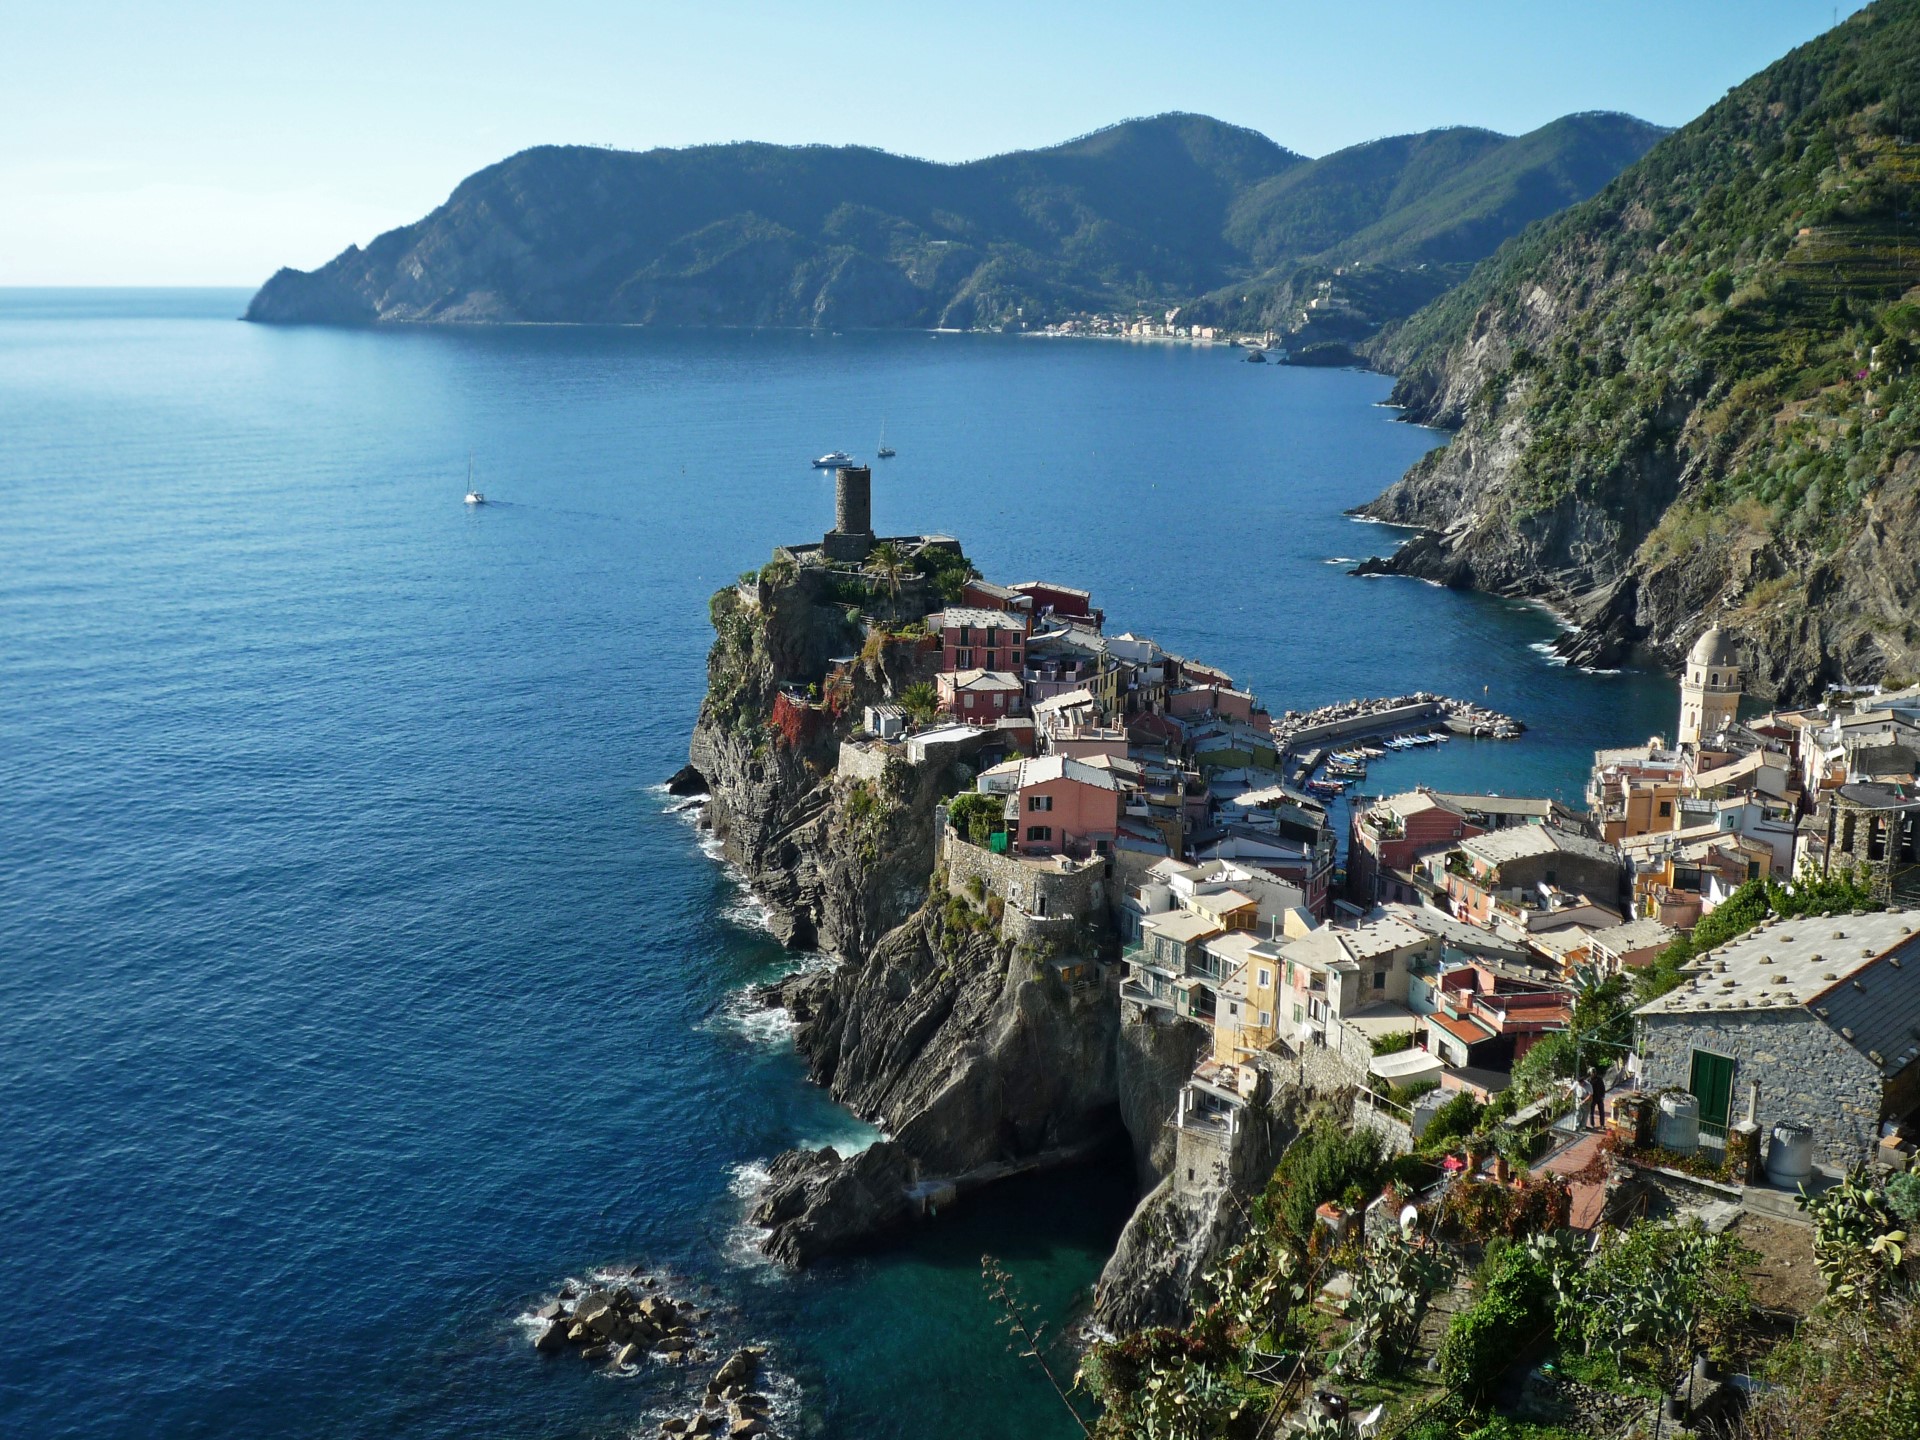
{"x": 1597, "y": 1092}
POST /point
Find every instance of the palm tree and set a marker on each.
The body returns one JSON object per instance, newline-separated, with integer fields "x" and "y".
{"x": 889, "y": 564}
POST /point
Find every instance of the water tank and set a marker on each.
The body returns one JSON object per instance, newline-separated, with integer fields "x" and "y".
{"x": 1678, "y": 1125}
{"x": 1790, "y": 1156}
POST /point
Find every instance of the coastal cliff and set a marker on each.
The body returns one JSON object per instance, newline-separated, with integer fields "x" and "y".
{"x": 1689, "y": 400}
{"x": 965, "y": 1044}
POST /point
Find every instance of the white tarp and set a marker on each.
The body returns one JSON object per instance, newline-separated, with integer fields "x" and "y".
{"x": 1404, "y": 1067}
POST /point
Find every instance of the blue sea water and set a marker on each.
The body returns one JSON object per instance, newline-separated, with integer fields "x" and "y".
{"x": 357, "y": 986}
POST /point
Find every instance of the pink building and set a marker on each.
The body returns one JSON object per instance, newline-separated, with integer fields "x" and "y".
{"x": 1227, "y": 703}
{"x": 980, "y": 697}
{"x": 1066, "y": 807}
{"x": 976, "y": 639}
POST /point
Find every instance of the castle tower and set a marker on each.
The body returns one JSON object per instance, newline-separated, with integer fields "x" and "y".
{"x": 1709, "y": 688}
{"x": 852, "y": 535}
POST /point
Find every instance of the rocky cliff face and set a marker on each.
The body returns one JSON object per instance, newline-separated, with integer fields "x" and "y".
{"x": 1690, "y": 400}
{"x": 768, "y": 766}
{"x": 1179, "y": 1231}
{"x": 967, "y": 1049}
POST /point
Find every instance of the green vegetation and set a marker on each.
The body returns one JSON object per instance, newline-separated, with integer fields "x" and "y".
{"x": 1512, "y": 1311}
{"x": 1857, "y": 1241}
{"x": 1732, "y": 308}
{"x": 1149, "y": 212}
{"x": 975, "y": 815}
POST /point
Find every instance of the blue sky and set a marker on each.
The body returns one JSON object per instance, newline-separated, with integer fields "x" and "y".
{"x": 207, "y": 143}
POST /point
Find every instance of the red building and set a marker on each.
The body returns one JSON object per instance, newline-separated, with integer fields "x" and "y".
{"x": 1062, "y": 601}
{"x": 1389, "y": 837}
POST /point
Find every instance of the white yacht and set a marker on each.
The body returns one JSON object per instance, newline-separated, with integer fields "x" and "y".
{"x": 833, "y": 460}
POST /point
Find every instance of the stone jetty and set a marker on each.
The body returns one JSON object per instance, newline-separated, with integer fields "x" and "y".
{"x": 1388, "y": 715}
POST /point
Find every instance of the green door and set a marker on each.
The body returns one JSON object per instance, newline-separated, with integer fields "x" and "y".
{"x": 1712, "y": 1084}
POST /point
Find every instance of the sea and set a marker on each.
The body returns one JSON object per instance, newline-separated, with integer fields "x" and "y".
{"x": 359, "y": 983}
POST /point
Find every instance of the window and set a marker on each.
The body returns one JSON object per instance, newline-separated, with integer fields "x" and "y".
{"x": 1040, "y": 802}
{"x": 1666, "y": 809}
{"x": 1266, "y": 1017}
{"x": 1266, "y": 977}
{"x": 1298, "y": 1015}
{"x": 963, "y": 659}
{"x": 967, "y": 701}
{"x": 1379, "y": 979}
{"x": 1039, "y": 832}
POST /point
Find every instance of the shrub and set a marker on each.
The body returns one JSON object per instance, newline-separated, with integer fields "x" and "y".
{"x": 1512, "y": 1311}
{"x": 1322, "y": 1164}
{"x": 975, "y": 815}
{"x": 1456, "y": 1119}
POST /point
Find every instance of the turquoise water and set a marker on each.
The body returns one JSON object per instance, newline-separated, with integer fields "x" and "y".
{"x": 358, "y": 986}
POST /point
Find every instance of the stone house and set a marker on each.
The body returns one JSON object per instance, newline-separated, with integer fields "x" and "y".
{"x": 1814, "y": 1021}
{"x": 1873, "y": 829}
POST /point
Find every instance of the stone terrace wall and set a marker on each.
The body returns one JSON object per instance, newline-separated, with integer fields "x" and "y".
{"x": 1806, "y": 1073}
{"x": 1070, "y": 899}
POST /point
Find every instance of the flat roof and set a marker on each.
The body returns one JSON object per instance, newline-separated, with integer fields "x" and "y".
{"x": 1183, "y": 926}
{"x": 1517, "y": 842}
{"x": 976, "y": 615}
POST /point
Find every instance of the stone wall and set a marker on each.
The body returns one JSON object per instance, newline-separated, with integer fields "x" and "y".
{"x": 859, "y": 761}
{"x": 1384, "y": 1123}
{"x": 1806, "y": 1073}
{"x": 1045, "y": 894}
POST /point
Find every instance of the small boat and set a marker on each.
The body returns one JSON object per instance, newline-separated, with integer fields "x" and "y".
{"x": 833, "y": 460}
{"x": 474, "y": 497}
{"x": 886, "y": 451}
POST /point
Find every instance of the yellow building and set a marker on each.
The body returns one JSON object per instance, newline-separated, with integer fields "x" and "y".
{"x": 1245, "y": 1016}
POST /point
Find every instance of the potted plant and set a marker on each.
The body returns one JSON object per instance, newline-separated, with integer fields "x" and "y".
{"x": 1512, "y": 1150}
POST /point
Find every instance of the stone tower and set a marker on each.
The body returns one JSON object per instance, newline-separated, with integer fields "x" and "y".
{"x": 1709, "y": 688}
{"x": 852, "y": 535}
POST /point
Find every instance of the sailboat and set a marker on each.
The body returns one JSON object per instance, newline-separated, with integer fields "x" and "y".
{"x": 474, "y": 497}
{"x": 885, "y": 451}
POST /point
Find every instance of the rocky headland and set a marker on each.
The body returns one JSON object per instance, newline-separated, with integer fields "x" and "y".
{"x": 978, "y": 1047}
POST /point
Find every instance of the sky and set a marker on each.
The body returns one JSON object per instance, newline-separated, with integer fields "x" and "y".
{"x": 203, "y": 143}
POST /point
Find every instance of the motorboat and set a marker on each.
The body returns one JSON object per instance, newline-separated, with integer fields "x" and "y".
{"x": 833, "y": 460}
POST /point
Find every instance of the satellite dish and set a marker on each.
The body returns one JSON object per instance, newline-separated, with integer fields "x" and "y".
{"x": 1409, "y": 1219}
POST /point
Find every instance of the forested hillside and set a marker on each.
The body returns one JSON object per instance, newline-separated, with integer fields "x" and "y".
{"x": 1150, "y": 212}
{"x": 1689, "y": 398}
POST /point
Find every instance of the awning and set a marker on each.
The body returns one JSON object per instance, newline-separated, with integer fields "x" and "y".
{"x": 1405, "y": 1067}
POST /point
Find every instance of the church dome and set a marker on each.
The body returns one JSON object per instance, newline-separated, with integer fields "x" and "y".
{"x": 1715, "y": 647}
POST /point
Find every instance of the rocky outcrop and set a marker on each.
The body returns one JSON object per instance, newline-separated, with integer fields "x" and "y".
{"x": 818, "y": 1202}
{"x": 1151, "y": 1064}
{"x": 1180, "y": 1229}
{"x": 766, "y": 758}
{"x": 975, "y": 1057}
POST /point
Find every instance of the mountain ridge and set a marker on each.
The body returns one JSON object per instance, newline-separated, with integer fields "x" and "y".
{"x": 1142, "y": 213}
